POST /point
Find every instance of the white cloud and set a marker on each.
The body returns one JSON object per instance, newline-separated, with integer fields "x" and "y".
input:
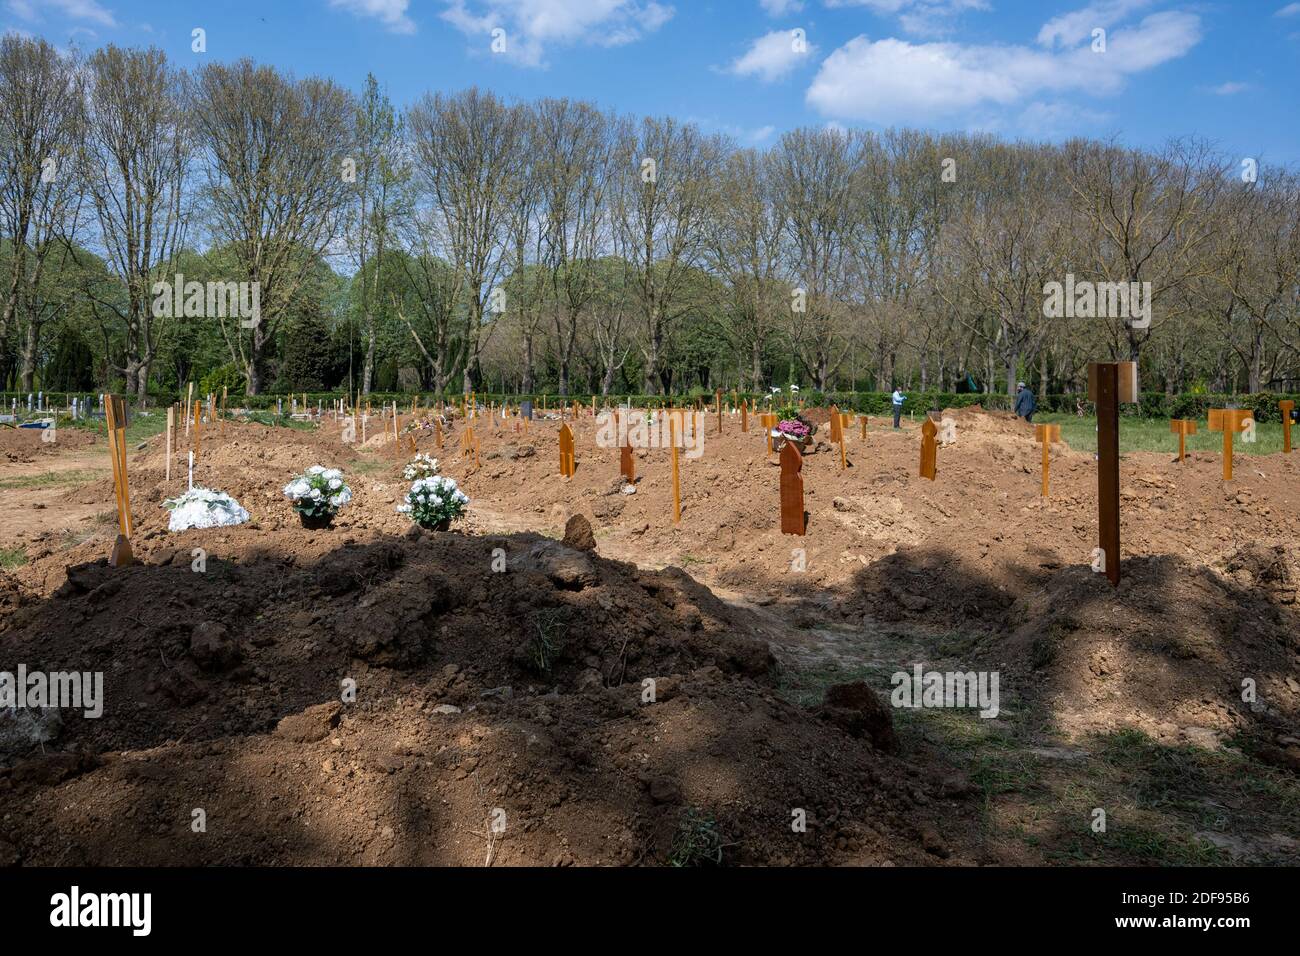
{"x": 391, "y": 13}
{"x": 779, "y": 8}
{"x": 534, "y": 25}
{"x": 1290, "y": 10}
{"x": 1070, "y": 28}
{"x": 772, "y": 56}
{"x": 72, "y": 9}
{"x": 896, "y": 81}
{"x": 1230, "y": 88}
{"x": 931, "y": 18}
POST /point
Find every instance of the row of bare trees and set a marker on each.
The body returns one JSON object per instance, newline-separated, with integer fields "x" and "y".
{"x": 516, "y": 241}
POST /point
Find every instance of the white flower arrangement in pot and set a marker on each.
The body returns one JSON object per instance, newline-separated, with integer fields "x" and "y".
{"x": 317, "y": 495}
{"x": 434, "y": 503}
{"x": 421, "y": 466}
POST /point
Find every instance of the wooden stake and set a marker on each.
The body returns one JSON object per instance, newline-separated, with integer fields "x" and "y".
{"x": 744, "y": 417}
{"x": 1047, "y": 434}
{"x": 862, "y": 421}
{"x": 1228, "y": 421}
{"x": 677, "y": 487}
{"x": 115, "y": 412}
{"x": 1287, "y": 406}
{"x": 198, "y": 415}
{"x": 171, "y": 427}
{"x": 1182, "y": 427}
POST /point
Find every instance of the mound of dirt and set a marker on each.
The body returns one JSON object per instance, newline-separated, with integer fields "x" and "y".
{"x": 1180, "y": 651}
{"x": 431, "y": 698}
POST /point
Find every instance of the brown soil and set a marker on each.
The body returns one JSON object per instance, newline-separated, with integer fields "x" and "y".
{"x": 222, "y": 687}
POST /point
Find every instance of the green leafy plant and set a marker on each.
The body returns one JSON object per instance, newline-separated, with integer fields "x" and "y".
{"x": 698, "y": 841}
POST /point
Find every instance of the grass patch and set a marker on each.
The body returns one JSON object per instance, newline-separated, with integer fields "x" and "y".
{"x": 1152, "y": 434}
{"x": 12, "y": 557}
{"x": 698, "y": 841}
{"x": 51, "y": 479}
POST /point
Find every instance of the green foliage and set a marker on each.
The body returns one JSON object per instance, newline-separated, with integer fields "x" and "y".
{"x": 228, "y": 376}
{"x": 698, "y": 841}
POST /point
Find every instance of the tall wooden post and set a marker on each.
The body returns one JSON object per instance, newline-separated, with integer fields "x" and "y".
{"x": 1287, "y": 406}
{"x": 1109, "y": 384}
{"x": 171, "y": 429}
{"x": 115, "y": 413}
{"x": 719, "y": 411}
{"x": 677, "y": 486}
{"x": 744, "y": 417}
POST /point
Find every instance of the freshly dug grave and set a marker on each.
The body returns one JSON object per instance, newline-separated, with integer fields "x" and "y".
{"x": 475, "y": 691}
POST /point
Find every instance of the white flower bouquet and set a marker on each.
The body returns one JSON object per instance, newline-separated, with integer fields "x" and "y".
{"x": 203, "y": 508}
{"x": 318, "y": 494}
{"x": 434, "y": 502}
{"x": 421, "y": 466}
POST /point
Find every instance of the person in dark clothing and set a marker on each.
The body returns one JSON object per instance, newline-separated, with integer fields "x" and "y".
{"x": 1025, "y": 404}
{"x": 898, "y": 398}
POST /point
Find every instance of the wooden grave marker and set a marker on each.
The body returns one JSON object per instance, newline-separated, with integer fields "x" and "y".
{"x": 1182, "y": 427}
{"x": 626, "y": 463}
{"x": 1228, "y": 421}
{"x": 862, "y": 422}
{"x": 567, "y": 463}
{"x": 744, "y": 417}
{"x": 1287, "y": 406}
{"x": 1046, "y": 434}
{"x": 929, "y": 449}
{"x": 1109, "y": 384}
{"x": 115, "y": 412}
{"x": 792, "y": 513}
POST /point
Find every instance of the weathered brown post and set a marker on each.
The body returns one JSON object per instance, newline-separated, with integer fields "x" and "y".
{"x": 862, "y": 422}
{"x": 929, "y": 449}
{"x": 677, "y": 482}
{"x": 1047, "y": 434}
{"x": 1228, "y": 420}
{"x": 1109, "y": 384}
{"x": 719, "y": 411}
{"x": 567, "y": 463}
{"x": 792, "y": 513}
{"x": 744, "y": 417}
{"x": 1182, "y": 427}
{"x": 115, "y": 412}
{"x": 1287, "y": 406}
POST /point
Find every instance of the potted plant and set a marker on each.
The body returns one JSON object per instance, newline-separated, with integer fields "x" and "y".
{"x": 434, "y": 503}
{"x": 317, "y": 496}
{"x": 421, "y": 466}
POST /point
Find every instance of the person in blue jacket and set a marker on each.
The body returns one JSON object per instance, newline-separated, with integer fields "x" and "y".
{"x": 1025, "y": 404}
{"x": 899, "y": 399}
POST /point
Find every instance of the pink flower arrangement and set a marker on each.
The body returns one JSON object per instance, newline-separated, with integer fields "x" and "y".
{"x": 793, "y": 428}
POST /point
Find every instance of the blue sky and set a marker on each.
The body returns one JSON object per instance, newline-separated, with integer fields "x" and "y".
{"x": 1228, "y": 71}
